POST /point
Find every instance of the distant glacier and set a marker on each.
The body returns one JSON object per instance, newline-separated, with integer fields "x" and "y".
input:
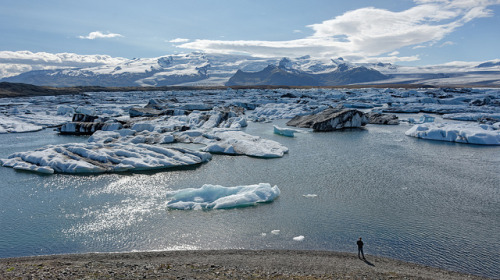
{"x": 201, "y": 69}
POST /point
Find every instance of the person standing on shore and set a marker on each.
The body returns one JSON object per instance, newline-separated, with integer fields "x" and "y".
{"x": 360, "y": 248}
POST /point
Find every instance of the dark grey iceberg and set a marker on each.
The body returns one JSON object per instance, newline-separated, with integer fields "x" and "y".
{"x": 331, "y": 119}
{"x": 379, "y": 118}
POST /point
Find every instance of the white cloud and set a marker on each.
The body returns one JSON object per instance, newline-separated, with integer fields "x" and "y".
{"x": 179, "y": 40}
{"x": 14, "y": 63}
{"x": 57, "y": 59}
{"x": 391, "y": 59}
{"x": 99, "y": 34}
{"x": 364, "y": 33}
{"x": 7, "y": 70}
{"x": 394, "y": 53}
{"x": 419, "y": 47}
{"x": 297, "y": 31}
{"x": 447, "y": 43}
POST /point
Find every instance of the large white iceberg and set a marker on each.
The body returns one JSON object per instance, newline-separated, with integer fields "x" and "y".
{"x": 221, "y": 141}
{"x": 99, "y": 158}
{"x": 471, "y": 133}
{"x": 219, "y": 197}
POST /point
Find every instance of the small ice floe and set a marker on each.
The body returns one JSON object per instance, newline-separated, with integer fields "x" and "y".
{"x": 423, "y": 119}
{"x": 275, "y": 232}
{"x": 470, "y": 133}
{"x": 309, "y": 195}
{"x": 298, "y": 238}
{"x": 288, "y": 132}
{"x": 219, "y": 197}
{"x": 240, "y": 143}
{"x": 263, "y": 234}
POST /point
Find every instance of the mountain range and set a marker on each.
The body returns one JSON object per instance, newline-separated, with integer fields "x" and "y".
{"x": 283, "y": 74}
{"x": 200, "y": 69}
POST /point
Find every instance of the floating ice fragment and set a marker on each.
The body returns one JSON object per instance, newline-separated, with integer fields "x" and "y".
{"x": 90, "y": 111}
{"x": 288, "y": 132}
{"x": 275, "y": 232}
{"x": 15, "y": 125}
{"x": 423, "y": 119}
{"x": 470, "y": 133}
{"x": 309, "y": 195}
{"x": 240, "y": 143}
{"x": 31, "y": 167}
{"x": 298, "y": 238}
{"x": 143, "y": 126}
{"x": 219, "y": 197}
{"x": 64, "y": 110}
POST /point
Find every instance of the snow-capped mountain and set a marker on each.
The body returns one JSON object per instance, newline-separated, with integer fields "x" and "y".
{"x": 135, "y": 72}
{"x": 308, "y": 65}
{"x": 295, "y": 73}
{"x": 180, "y": 69}
{"x": 194, "y": 69}
{"x": 200, "y": 69}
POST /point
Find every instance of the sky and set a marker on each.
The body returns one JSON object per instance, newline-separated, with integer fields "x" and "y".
{"x": 405, "y": 32}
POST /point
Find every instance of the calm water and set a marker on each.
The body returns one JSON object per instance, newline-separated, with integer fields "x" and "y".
{"x": 422, "y": 201}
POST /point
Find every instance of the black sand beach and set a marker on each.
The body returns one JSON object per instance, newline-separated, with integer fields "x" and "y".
{"x": 225, "y": 264}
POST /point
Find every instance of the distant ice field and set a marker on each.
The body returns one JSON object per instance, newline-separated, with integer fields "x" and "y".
{"x": 430, "y": 202}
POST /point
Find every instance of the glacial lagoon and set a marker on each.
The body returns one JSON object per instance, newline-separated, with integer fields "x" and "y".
{"x": 429, "y": 202}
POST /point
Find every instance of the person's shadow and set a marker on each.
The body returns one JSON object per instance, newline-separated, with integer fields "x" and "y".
{"x": 367, "y": 262}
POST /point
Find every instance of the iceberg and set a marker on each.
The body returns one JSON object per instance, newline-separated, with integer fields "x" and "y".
{"x": 222, "y": 141}
{"x": 240, "y": 143}
{"x": 99, "y": 158}
{"x": 470, "y": 133}
{"x": 273, "y": 111}
{"x": 299, "y": 238}
{"x": 331, "y": 119}
{"x": 479, "y": 117}
{"x": 12, "y": 125}
{"x": 423, "y": 119}
{"x": 219, "y": 197}
{"x": 64, "y": 110}
{"x": 288, "y": 132}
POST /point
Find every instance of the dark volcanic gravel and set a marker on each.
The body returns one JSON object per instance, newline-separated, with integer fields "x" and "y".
{"x": 225, "y": 264}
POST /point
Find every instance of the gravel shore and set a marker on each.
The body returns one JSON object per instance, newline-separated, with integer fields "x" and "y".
{"x": 224, "y": 264}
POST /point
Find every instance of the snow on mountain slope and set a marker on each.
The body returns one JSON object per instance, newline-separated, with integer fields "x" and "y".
{"x": 159, "y": 67}
{"x": 200, "y": 69}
